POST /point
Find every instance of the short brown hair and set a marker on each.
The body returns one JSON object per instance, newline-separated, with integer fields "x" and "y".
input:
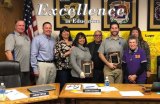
{"x": 46, "y": 23}
{"x": 17, "y": 20}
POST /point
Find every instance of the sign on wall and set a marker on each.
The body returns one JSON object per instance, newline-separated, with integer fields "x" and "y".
{"x": 125, "y": 12}
{"x": 72, "y": 13}
{"x": 153, "y": 15}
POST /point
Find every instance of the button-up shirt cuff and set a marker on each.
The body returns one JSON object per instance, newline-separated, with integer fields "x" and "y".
{"x": 36, "y": 71}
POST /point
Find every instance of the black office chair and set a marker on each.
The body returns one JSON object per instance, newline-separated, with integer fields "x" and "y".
{"x": 158, "y": 68}
{"x": 10, "y": 73}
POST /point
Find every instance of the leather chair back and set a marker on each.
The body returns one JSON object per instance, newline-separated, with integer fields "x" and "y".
{"x": 158, "y": 68}
{"x": 10, "y": 73}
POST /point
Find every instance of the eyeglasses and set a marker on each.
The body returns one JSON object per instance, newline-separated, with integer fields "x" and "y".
{"x": 98, "y": 35}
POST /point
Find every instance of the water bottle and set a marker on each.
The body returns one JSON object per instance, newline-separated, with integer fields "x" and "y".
{"x": 2, "y": 92}
{"x": 106, "y": 82}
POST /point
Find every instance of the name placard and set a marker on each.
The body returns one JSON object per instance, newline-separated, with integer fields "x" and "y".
{"x": 92, "y": 90}
{"x": 38, "y": 94}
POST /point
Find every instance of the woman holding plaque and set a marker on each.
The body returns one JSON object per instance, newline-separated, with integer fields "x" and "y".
{"x": 62, "y": 53}
{"x": 135, "y": 31}
{"x": 79, "y": 54}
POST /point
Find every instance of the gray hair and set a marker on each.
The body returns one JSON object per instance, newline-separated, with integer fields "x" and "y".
{"x": 133, "y": 38}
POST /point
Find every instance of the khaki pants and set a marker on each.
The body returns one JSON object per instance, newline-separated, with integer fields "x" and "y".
{"x": 114, "y": 75}
{"x": 47, "y": 73}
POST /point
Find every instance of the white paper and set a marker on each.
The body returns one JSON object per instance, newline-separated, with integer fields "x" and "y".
{"x": 131, "y": 93}
{"x": 14, "y": 95}
{"x": 89, "y": 86}
{"x": 73, "y": 87}
{"x": 108, "y": 89}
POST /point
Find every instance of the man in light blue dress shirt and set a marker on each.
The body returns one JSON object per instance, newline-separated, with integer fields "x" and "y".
{"x": 42, "y": 56}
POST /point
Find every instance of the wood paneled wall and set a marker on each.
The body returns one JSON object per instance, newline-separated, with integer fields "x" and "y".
{"x": 7, "y": 22}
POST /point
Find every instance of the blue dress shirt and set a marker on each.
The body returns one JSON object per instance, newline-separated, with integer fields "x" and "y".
{"x": 42, "y": 49}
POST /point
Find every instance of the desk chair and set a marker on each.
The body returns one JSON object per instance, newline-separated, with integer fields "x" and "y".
{"x": 158, "y": 68}
{"x": 10, "y": 73}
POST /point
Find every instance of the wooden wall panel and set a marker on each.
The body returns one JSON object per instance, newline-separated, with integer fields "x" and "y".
{"x": 7, "y": 20}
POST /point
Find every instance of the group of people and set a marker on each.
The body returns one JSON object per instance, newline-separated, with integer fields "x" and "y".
{"x": 60, "y": 60}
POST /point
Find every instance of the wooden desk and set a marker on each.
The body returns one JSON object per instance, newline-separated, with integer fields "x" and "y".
{"x": 113, "y": 97}
{"x": 52, "y": 95}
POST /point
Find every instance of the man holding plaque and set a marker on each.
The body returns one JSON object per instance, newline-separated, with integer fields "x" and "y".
{"x": 111, "y": 52}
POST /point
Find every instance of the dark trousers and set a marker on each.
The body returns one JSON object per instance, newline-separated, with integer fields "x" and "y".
{"x": 81, "y": 80}
{"x": 63, "y": 76}
{"x": 98, "y": 76}
{"x": 25, "y": 79}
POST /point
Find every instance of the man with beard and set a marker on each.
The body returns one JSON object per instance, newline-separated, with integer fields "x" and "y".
{"x": 111, "y": 52}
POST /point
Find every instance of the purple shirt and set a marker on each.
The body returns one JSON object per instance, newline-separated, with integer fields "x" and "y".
{"x": 133, "y": 61}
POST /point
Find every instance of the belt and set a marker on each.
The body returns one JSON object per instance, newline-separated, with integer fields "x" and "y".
{"x": 51, "y": 61}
